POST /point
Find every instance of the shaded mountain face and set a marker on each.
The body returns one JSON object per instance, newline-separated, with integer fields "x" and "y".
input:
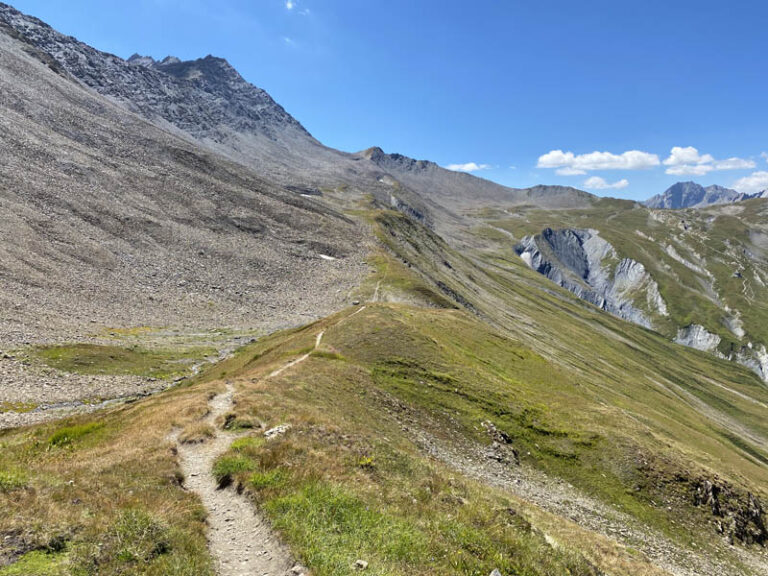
{"x": 693, "y": 195}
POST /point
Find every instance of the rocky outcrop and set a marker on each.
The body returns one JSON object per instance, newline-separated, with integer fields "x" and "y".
{"x": 206, "y": 98}
{"x": 739, "y": 517}
{"x": 755, "y": 358}
{"x": 587, "y": 265}
{"x": 698, "y": 337}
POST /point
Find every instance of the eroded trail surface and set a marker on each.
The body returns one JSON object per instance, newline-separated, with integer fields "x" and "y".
{"x": 240, "y": 540}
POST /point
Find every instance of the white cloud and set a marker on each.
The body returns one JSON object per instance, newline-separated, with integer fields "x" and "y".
{"x": 690, "y": 170}
{"x": 689, "y": 155}
{"x": 688, "y": 161}
{"x": 764, "y": 155}
{"x": 597, "y": 183}
{"x": 290, "y": 4}
{"x": 734, "y": 164}
{"x": 569, "y": 163}
{"x": 755, "y": 182}
{"x": 468, "y": 167}
{"x": 568, "y": 171}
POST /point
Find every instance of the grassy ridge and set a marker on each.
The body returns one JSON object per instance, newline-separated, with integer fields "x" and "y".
{"x": 348, "y": 449}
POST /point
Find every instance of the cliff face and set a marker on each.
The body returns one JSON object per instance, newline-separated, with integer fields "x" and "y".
{"x": 587, "y": 265}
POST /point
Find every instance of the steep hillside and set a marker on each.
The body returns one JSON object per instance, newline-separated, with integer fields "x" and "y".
{"x": 696, "y": 276}
{"x": 228, "y": 349}
{"x": 420, "y": 439}
{"x": 108, "y": 219}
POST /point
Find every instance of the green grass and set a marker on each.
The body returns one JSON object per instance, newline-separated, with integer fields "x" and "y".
{"x": 38, "y": 563}
{"x": 100, "y": 494}
{"x": 69, "y": 434}
{"x": 722, "y": 240}
{"x": 402, "y": 516}
{"x": 11, "y": 480}
{"x": 20, "y": 407}
{"x": 136, "y": 542}
{"x": 227, "y": 467}
{"x": 117, "y": 360}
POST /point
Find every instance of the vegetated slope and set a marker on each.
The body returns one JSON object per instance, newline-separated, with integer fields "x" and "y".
{"x": 482, "y": 418}
{"x": 421, "y": 439}
{"x": 107, "y": 219}
{"x": 696, "y": 276}
{"x": 112, "y": 219}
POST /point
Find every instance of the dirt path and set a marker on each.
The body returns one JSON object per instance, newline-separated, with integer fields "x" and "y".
{"x": 293, "y": 363}
{"x": 240, "y": 540}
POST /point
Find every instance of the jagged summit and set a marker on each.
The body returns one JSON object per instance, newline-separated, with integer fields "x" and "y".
{"x": 694, "y": 195}
{"x": 150, "y": 62}
{"x": 207, "y": 98}
{"x": 394, "y": 160}
{"x": 140, "y": 60}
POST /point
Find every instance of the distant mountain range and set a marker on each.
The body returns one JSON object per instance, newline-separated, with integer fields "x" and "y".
{"x": 693, "y": 195}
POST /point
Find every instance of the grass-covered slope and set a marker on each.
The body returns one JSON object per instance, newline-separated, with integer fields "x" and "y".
{"x": 472, "y": 418}
{"x": 710, "y": 264}
{"x": 393, "y": 411}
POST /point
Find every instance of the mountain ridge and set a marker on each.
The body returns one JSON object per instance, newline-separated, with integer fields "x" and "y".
{"x": 693, "y": 195}
{"x": 371, "y": 350}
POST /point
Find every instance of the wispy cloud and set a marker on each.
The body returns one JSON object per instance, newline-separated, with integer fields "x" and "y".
{"x": 570, "y": 164}
{"x": 689, "y": 162}
{"x": 290, "y": 4}
{"x": 597, "y": 183}
{"x": 764, "y": 155}
{"x": 755, "y": 182}
{"x": 468, "y": 167}
{"x": 570, "y": 171}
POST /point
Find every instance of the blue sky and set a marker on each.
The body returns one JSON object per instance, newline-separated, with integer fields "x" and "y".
{"x": 637, "y": 95}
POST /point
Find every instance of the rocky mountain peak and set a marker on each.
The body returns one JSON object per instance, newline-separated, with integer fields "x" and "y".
{"x": 693, "y": 195}
{"x": 211, "y": 69}
{"x": 207, "y": 98}
{"x": 139, "y": 60}
{"x": 396, "y": 161}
